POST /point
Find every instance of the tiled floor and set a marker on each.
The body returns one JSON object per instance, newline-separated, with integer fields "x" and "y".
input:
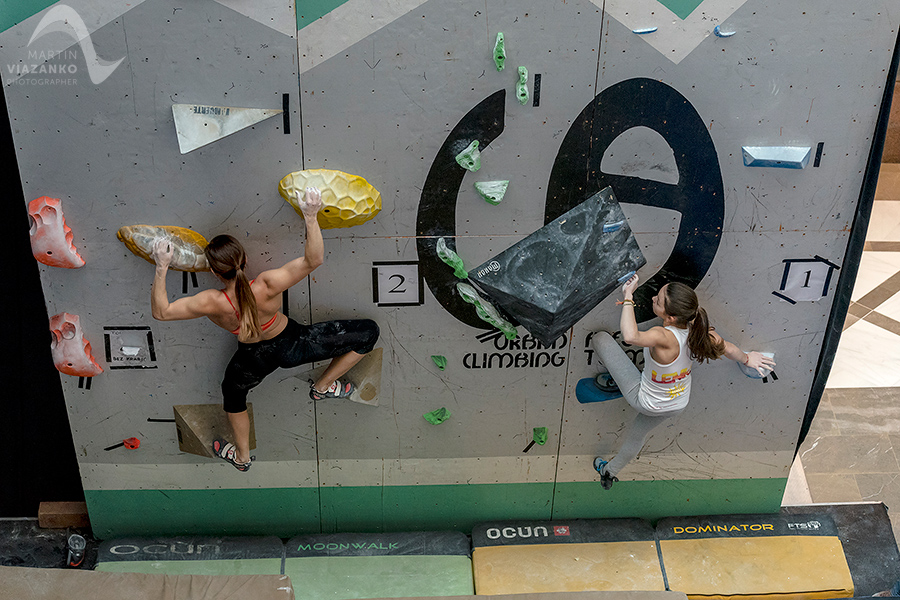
{"x": 852, "y": 452}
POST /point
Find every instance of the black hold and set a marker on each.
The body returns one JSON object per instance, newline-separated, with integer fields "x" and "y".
{"x": 556, "y": 275}
{"x": 537, "y": 90}
{"x": 818, "y": 159}
{"x": 528, "y": 447}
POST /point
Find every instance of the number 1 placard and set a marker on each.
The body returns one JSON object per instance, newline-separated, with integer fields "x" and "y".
{"x": 397, "y": 284}
{"x": 806, "y": 279}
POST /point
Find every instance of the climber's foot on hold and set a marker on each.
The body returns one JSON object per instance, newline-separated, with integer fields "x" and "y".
{"x": 228, "y": 452}
{"x": 606, "y": 383}
{"x": 606, "y": 480}
{"x": 337, "y": 389}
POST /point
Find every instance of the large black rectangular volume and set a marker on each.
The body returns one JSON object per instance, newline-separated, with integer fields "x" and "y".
{"x": 556, "y": 275}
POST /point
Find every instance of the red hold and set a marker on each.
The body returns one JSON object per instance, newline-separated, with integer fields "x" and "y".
{"x": 71, "y": 352}
{"x": 51, "y": 238}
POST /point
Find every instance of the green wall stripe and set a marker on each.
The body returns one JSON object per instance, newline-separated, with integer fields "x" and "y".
{"x": 287, "y": 512}
{"x": 13, "y": 12}
{"x": 283, "y": 512}
{"x": 431, "y": 507}
{"x": 310, "y": 10}
{"x": 653, "y": 500}
{"x": 682, "y": 8}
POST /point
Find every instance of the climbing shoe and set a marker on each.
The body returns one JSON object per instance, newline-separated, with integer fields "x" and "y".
{"x": 606, "y": 480}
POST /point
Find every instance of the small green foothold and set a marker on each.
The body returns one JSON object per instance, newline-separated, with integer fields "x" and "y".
{"x": 486, "y": 311}
{"x": 492, "y": 191}
{"x": 540, "y": 435}
{"x": 470, "y": 158}
{"x": 451, "y": 258}
{"x": 440, "y": 361}
{"x": 438, "y": 416}
{"x": 522, "y": 86}
{"x": 500, "y": 51}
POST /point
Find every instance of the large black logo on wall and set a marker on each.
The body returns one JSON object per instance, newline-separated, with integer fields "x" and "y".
{"x": 698, "y": 195}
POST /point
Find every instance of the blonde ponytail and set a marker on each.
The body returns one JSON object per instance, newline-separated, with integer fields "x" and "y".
{"x": 246, "y": 305}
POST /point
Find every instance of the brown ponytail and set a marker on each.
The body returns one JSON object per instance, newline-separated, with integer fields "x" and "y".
{"x": 228, "y": 260}
{"x": 681, "y": 302}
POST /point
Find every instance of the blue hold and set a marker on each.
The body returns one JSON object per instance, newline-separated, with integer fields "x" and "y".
{"x": 626, "y": 277}
{"x": 587, "y": 391}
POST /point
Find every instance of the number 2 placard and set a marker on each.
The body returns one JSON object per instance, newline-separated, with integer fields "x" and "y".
{"x": 397, "y": 283}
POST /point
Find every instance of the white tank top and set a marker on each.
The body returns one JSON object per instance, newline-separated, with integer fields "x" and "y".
{"x": 667, "y": 388}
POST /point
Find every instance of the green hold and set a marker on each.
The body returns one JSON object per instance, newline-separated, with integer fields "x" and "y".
{"x": 492, "y": 191}
{"x": 522, "y": 86}
{"x": 486, "y": 311}
{"x": 440, "y": 361}
{"x": 438, "y": 416}
{"x": 470, "y": 158}
{"x": 540, "y": 435}
{"x": 451, "y": 258}
{"x": 500, "y": 52}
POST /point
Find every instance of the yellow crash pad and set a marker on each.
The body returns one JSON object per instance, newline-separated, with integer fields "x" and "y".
{"x": 755, "y": 556}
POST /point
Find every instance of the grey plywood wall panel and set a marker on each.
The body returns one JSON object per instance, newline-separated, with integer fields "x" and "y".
{"x": 383, "y": 87}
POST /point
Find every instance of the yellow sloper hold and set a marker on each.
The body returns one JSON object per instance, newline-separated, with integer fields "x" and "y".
{"x": 189, "y": 244}
{"x": 347, "y": 200}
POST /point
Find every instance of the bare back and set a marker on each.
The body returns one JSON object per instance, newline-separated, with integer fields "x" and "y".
{"x": 268, "y": 304}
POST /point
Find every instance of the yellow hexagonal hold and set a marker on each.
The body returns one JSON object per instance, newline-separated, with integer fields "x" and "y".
{"x": 347, "y": 200}
{"x": 189, "y": 244}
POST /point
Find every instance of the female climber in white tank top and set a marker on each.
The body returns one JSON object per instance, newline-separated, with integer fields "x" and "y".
{"x": 664, "y": 388}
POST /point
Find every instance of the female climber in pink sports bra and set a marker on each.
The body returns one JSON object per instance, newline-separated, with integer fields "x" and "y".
{"x": 267, "y": 338}
{"x": 237, "y": 331}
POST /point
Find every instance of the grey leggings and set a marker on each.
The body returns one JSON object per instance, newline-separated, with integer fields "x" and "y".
{"x": 628, "y": 378}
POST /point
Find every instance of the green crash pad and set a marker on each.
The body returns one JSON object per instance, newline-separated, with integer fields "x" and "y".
{"x": 387, "y": 565}
{"x": 192, "y": 556}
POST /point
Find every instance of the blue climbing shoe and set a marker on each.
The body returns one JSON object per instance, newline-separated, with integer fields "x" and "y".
{"x": 606, "y": 480}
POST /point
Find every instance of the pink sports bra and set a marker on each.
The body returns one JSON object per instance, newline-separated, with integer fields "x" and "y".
{"x": 238, "y": 315}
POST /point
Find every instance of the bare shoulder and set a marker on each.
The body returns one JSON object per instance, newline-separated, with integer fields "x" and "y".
{"x": 208, "y": 300}
{"x": 269, "y": 284}
{"x": 662, "y": 337}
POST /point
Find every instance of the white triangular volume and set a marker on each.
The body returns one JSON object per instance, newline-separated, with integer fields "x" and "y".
{"x": 675, "y": 38}
{"x": 200, "y": 124}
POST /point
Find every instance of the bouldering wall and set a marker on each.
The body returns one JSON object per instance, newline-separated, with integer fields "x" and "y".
{"x": 655, "y": 99}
